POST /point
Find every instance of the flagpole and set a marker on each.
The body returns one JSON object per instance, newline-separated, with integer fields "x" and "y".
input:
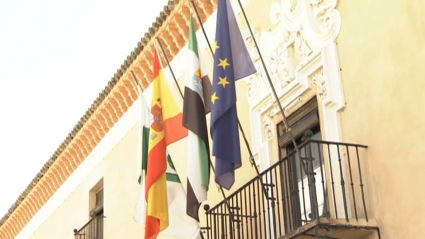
{"x": 134, "y": 77}
{"x": 137, "y": 83}
{"x": 169, "y": 66}
{"x": 285, "y": 120}
{"x": 288, "y": 129}
{"x": 210, "y": 162}
{"x": 251, "y": 157}
{"x": 202, "y": 26}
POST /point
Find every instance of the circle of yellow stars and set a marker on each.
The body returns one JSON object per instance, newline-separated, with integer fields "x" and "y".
{"x": 223, "y": 80}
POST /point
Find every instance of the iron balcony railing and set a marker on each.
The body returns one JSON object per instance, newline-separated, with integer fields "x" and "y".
{"x": 92, "y": 230}
{"x": 324, "y": 182}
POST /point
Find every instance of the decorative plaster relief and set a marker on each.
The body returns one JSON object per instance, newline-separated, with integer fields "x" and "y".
{"x": 319, "y": 80}
{"x": 298, "y": 54}
{"x": 268, "y": 125}
{"x": 282, "y": 69}
{"x": 319, "y": 19}
{"x": 294, "y": 103}
{"x": 323, "y": 13}
{"x": 301, "y": 45}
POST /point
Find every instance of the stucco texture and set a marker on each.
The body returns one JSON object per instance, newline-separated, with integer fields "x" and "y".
{"x": 381, "y": 51}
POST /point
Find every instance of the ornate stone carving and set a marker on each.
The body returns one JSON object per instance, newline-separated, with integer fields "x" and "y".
{"x": 319, "y": 18}
{"x": 293, "y": 4}
{"x": 322, "y": 12}
{"x": 284, "y": 59}
{"x": 275, "y": 13}
{"x": 268, "y": 126}
{"x": 299, "y": 53}
{"x": 301, "y": 46}
{"x": 282, "y": 67}
{"x": 294, "y": 103}
{"x": 319, "y": 80}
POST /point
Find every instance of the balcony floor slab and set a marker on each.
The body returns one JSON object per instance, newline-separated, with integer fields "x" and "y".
{"x": 337, "y": 229}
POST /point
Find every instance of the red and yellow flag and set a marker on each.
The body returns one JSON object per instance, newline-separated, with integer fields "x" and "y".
{"x": 166, "y": 128}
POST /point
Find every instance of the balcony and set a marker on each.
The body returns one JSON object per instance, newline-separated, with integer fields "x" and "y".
{"x": 318, "y": 193}
{"x": 92, "y": 230}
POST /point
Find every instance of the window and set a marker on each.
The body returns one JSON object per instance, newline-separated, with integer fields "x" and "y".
{"x": 299, "y": 171}
{"x": 93, "y": 229}
{"x": 98, "y": 208}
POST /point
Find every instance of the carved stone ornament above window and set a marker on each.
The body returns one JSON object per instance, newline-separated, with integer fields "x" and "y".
{"x": 319, "y": 80}
{"x": 305, "y": 28}
{"x": 300, "y": 53}
{"x": 269, "y": 128}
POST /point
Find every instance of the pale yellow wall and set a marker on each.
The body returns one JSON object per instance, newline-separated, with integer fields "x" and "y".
{"x": 121, "y": 189}
{"x": 382, "y": 53}
{"x": 118, "y": 170}
{"x": 73, "y": 213}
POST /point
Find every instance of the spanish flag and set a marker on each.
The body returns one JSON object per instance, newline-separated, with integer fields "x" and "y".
{"x": 166, "y": 128}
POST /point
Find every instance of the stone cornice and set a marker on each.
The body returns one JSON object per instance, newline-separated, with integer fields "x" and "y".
{"x": 171, "y": 27}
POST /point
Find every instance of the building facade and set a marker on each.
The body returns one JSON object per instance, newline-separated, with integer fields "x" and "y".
{"x": 347, "y": 75}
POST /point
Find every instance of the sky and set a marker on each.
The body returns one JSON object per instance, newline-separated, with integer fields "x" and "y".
{"x": 55, "y": 59}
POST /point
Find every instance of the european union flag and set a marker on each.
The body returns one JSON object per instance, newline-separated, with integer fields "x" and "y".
{"x": 231, "y": 62}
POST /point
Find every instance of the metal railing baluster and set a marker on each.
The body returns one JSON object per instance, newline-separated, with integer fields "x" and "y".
{"x": 275, "y": 202}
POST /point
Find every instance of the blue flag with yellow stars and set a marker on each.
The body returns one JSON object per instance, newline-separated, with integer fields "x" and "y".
{"x": 231, "y": 62}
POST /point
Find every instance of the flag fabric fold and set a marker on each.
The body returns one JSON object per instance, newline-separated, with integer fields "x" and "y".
{"x": 197, "y": 102}
{"x": 142, "y": 157}
{"x": 231, "y": 62}
{"x": 176, "y": 200}
{"x": 181, "y": 225}
{"x": 165, "y": 128}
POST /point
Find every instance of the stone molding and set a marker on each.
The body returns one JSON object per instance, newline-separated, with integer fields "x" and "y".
{"x": 299, "y": 54}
